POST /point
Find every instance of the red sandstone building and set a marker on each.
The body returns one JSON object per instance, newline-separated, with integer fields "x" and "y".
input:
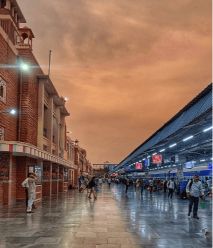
{"x": 35, "y": 138}
{"x": 83, "y": 164}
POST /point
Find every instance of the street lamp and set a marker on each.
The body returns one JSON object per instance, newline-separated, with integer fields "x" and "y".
{"x": 24, "y": 67}
{"x": 9, "y": 111}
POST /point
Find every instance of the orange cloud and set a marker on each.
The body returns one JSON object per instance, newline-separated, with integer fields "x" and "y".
{"x": 126, "y": 66}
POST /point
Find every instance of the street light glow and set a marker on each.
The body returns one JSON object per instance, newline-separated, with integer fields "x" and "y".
{"x": 9, "y": 111}
{"x": 24, "y": 67}
{"x": 12, "y": 111}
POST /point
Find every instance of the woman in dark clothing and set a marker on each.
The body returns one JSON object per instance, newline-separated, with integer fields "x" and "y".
{"x": 91, "y": 186}
{"x": 165, "y": 186}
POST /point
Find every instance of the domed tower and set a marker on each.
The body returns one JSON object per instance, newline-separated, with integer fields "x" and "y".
{"x": 26, "y": 38}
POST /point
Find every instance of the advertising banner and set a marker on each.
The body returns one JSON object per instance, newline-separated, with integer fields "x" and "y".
{"x": 157, "y": 159}
{"x": 138, "y": 166}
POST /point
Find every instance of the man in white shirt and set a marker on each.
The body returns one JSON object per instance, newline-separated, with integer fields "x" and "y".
{"x": 30, "y": 184}
{"x": 171, "y": 187}
{"x": 194, "y": 190}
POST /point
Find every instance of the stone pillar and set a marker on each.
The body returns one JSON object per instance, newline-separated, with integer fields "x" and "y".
{"x": 55, "y": 179}
{"x": 75, "y": 177}
{"x": 7, "y": 179}
{"x": 50, "y": 123}
{"x": 40, "y": 113}
{"x": 61, "y": 179}
{"x": 47, "y": 179}
{"x": 21, "y": 175}
{"x": 58, "y": 141}
{"x": 62, "y": 135}
{"x": 39, "y": 184}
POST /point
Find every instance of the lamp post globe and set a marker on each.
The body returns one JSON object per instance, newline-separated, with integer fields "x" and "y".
{"x": 24, "y": 67}
{"x": 13, "y": 112}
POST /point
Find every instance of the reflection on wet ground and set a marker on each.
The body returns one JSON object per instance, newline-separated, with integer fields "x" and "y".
{"x": 115, "y": 220}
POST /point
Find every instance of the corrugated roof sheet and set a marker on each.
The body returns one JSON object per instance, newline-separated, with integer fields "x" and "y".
{"x": 199, "y": 105}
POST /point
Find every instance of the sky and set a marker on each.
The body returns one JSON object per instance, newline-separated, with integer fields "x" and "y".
{"x": 127, "y": 66}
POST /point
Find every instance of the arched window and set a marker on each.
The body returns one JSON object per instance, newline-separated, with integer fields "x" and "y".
{"x": 2, "y": 90}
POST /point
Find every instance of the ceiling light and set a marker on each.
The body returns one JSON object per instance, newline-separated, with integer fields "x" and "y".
{"x": 207, "y": 129}
{"x": 188, "y": 138}
{"x": 172, "y": 145}
{"x": 162, "y": 150}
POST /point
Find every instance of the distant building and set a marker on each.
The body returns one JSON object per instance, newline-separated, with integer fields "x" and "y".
{"x": 83, "y": 164}
{"x": 103, "y": 168}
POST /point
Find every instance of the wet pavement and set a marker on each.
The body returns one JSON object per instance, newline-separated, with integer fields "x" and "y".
{"x": 114, "y": 220}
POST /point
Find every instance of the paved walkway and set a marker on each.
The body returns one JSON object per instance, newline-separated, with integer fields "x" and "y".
{"x": 113, "y": 221}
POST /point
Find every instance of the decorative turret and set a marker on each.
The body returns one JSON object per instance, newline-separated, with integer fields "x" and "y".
{"x": 26, "y": 38}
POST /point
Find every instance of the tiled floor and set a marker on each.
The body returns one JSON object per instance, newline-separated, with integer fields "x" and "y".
{"x": 115, "y": 220}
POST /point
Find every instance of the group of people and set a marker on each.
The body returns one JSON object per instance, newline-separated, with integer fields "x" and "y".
{"x": 91, "y": 184}
{"x": 194, "y": 190}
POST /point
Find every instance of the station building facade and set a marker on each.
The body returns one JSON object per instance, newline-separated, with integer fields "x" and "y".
{"x": 35, "y": 139}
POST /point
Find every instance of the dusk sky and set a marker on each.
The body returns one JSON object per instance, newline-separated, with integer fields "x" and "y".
{"x": 127, "y": 66}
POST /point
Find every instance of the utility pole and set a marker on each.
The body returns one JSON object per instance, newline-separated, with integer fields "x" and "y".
{"x": 50, "y": 54}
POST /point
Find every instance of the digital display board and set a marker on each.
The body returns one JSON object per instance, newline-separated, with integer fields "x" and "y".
{"x": 157, "y": 159}
{"x": 138, "y": 166}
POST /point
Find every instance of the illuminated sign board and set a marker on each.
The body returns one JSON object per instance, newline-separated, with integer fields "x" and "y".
{"x": 189, "y": 165}
{"x": 157, "y": 159}
{"x": 138, "y": 166}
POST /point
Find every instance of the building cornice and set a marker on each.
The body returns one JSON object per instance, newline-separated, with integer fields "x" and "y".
{"x": 24, "y": 149}
{"x": 51, "y": 90}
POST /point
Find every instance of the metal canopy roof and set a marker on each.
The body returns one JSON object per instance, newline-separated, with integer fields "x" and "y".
{"x": 194, "y": 116}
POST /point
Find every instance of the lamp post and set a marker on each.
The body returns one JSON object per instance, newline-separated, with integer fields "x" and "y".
{"x": 24, "y": 68}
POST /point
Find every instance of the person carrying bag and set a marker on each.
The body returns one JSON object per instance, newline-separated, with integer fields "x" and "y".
{"x": 194, "y": 190}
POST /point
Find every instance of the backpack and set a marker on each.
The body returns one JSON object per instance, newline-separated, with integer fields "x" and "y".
{"x": 190, "y": 185}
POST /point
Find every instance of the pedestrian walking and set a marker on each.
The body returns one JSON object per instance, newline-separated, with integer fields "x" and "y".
{"x": 194, "y": 190}
{"x": 91, "y": 186}
{"x": 142, "y": 186}
{"x": 171, "y": 187}
{"x": 165, "y": 186}
{"x": 127, "y": 183}
{"x": 81, "y": 182}
{"x": 151, "y": 185}
{"x": 30, "y": 188}
{"x": 109, "y": 182}
{"x": 100, "y": 181}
